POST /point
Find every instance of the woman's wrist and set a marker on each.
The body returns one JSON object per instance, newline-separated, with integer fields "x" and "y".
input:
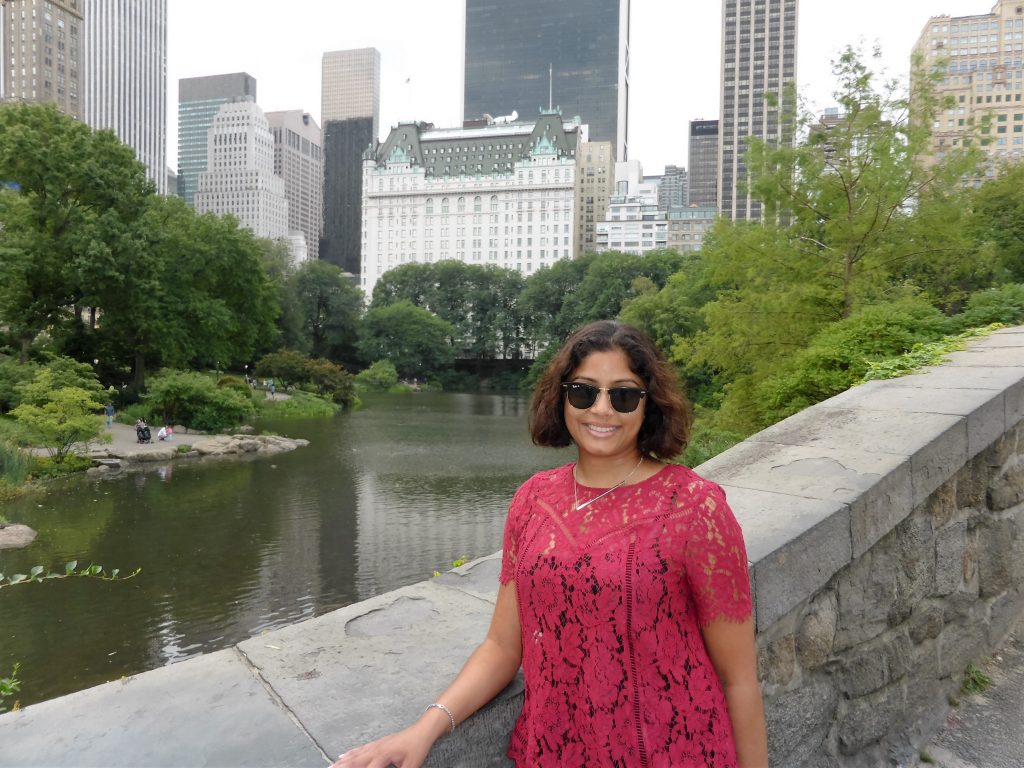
{"x": 434, "y": 723}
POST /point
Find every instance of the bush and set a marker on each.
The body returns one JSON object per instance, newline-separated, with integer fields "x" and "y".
{"x": 194, "y": 401}
{"x": 13, "y": 374}
{"x": 1004, "y": 304}
{"x": 236, "y": 384}
{"x": 44, "y": 467}
{"x": 332, "y": 380}
{"x": 379, "y": 376}
{"x": 301, "y": 405}
{"x": 15, "y": 464}
{"x": 284, "y": 366}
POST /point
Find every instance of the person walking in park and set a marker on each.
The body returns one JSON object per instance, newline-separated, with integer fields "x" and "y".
{"x": 108, "y": 410}
{"x": 624, "y": 592}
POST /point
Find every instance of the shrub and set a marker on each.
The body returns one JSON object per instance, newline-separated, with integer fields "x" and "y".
{"x": 301, "y": 405}
{"x": 196, "y": 402}
{"x": 15, "y": 463}
{"x": 58, "y": 418}
{"x": 44, "y": 467}
{"x": 235, "y": 383}
{"x": 284, "y": 366}
{"x": 1004, "y": 304}
{"x": 381, "y": 375}
{"x": 331, "y": 380}
{"x": 13, "y": 374}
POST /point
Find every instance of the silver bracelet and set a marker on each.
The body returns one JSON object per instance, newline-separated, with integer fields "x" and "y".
{"x": 447, "y": 711}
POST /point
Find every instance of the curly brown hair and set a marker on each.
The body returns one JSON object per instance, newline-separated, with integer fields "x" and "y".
{"x": 667, "y": 414}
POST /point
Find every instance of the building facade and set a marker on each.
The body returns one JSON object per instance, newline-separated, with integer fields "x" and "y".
{"x": 199, "y": 101}
{"x": 493, "y": 194}
{"x": 634, "y": 223}
{"x": 758, "y": 60}
{"x": 125, "y": 77}
{"x": 673, "y": 189}
{"x": 350, "y": 109}
{"x": 41, "y": 48}
{"x": 595, "y": 180}
{"x": 533, "y": 54}
{"x": 687, "y": 227}
{"x": 984, "y": 80}
{"x": 240, "y": 178}
{"x": 299, "y": 160}
{"x": 702, "y": 180}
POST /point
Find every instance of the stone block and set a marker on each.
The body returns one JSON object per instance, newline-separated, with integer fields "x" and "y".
{"x": 1014, "y": 399}
{"x": 798, "y": 722}
{"x": 866, "y": 592}
{"x": 1000, "y": 555}
{"x": 776, "y": 662}
{"x": 950, "y": 558}
{"x": 816, "y": 636}
{"x": 867, "y": 720}
{"x": 926, "y": 622}
{"x": 874, "y": 665}
{"x": 1006, "y": 489}
{"x": 795, "y": 545}
{"x": 1004, "y": 613}
{"x": 971, "y": 486}
{"x": 875, "y": 484}
{"x": 939, "y": 460}
{"x": 978, "y": 356}
{"x": 959, "y": 645}
{"x": 338, "y": 673}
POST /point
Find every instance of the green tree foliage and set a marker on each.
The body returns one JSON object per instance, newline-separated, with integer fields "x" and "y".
{"x": 1002, "y": 304}
{"x": 381, "y": 375}
{"x": 289, "y": 368}
{"x": 13, "y": 373}
{"x": 328, "y": 307}
{"x": 480, "y": 303}
{"x": 195, "y": 401}
{"x": 57, "y": 417}
{"x": 997, "y": 219}
{"x": 414, "y": 340}
{"x": 81, "y": 193}
{"x": 285, "y": 366}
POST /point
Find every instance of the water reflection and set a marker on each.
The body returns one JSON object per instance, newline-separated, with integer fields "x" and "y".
{"x": 380, "y": 499}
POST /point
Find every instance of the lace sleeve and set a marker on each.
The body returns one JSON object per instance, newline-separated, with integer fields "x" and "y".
{"x": 515, "y": 522}
{"x": 716, "y": 561}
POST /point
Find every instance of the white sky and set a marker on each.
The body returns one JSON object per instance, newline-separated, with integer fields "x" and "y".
{"x": 674, "y": 55}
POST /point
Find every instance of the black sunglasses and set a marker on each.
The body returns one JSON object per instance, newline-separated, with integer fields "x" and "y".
{"x": 583, "y": 396}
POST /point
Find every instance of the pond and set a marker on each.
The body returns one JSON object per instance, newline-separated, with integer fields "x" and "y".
{"x": 381, "y": 498}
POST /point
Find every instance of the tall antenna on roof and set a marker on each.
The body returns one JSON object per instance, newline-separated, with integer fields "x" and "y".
{"x": 550, "y": 85}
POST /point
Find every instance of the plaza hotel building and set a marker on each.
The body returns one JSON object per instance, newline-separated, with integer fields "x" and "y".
{"x": 490, "y": 193}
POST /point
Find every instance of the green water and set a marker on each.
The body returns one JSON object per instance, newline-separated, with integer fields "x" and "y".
{"x": 380, "y": 499}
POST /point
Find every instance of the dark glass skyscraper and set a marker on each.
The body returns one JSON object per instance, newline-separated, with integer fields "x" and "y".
{"x": 510, "y": 46}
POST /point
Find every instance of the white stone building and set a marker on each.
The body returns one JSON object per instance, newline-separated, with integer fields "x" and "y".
{"x": 299, "y": 160}
{"x": 634, "y": 223}
{"x": 240, "y": 177}
{"x": 489, "y": 193}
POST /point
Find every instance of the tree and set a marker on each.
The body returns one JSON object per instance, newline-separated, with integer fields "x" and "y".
{"x": 997, "y": 209}
{"x": 328, "y": 305}
{"x": 413, "y": 339}
{"x": 58, "y": 417}
{"x": 852, "y": 214}
{"x": 79, "y": 193}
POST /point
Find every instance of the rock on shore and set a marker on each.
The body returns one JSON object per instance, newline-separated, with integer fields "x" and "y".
{"x": 16, "y": 536}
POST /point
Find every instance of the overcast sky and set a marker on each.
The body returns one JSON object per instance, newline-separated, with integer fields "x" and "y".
{"x": 674, "y": 55}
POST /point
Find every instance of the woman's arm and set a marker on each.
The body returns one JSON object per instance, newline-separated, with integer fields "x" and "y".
{"x": 487, "y": 671}
{"x": 733, "y": 652}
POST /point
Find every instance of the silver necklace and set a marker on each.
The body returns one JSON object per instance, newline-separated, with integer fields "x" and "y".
{"x": 622, "y": 482}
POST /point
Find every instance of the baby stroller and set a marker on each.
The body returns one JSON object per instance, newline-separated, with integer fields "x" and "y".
{"x": 143, "y": 434}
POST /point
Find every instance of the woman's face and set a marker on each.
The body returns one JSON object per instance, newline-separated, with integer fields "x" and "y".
{"x": 601, "y": 431}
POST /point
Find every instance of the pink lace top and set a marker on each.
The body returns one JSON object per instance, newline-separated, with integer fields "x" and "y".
{"x": 611, "y": 602}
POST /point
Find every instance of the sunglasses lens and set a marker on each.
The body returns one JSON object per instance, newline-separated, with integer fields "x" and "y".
{"x": 581, "y": 396}
{"x": 625, "y": 399}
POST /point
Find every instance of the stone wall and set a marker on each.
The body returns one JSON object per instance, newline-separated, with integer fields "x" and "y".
{"x": 885, "y": 533}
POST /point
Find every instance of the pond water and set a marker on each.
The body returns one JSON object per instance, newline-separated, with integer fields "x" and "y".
{"x": 380, "y": 499}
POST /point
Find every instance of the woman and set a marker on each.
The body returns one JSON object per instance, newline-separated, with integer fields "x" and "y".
{"x": 624, "y": 589}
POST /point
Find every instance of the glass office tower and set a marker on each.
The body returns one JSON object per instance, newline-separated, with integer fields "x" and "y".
{"x": 510, "y": 47}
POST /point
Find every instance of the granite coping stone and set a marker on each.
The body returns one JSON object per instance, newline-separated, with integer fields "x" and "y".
{"x": 328, "y": 670}
{"x": 211, "y": 710}
{"x": 794, "y": 545}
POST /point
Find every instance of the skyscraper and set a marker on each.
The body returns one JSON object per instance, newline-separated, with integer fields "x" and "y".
{"x": 673, "y": 190}
{"x": 299, "y": 160}
{"x": 510, "y": 47}
{"x": 703, "y": 161}
{"x": 125, "y": 77}
{"x": 758, "y": 66}
{"x": 350, "y": 105}
{"x": 240, "y": 179}
{"x": 984, "y": 79}
{"x": 199, "y": 100}
{"x": 41, "y": 49}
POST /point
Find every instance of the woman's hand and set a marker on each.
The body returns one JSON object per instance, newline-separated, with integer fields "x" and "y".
{"x": 405, "y": 749}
